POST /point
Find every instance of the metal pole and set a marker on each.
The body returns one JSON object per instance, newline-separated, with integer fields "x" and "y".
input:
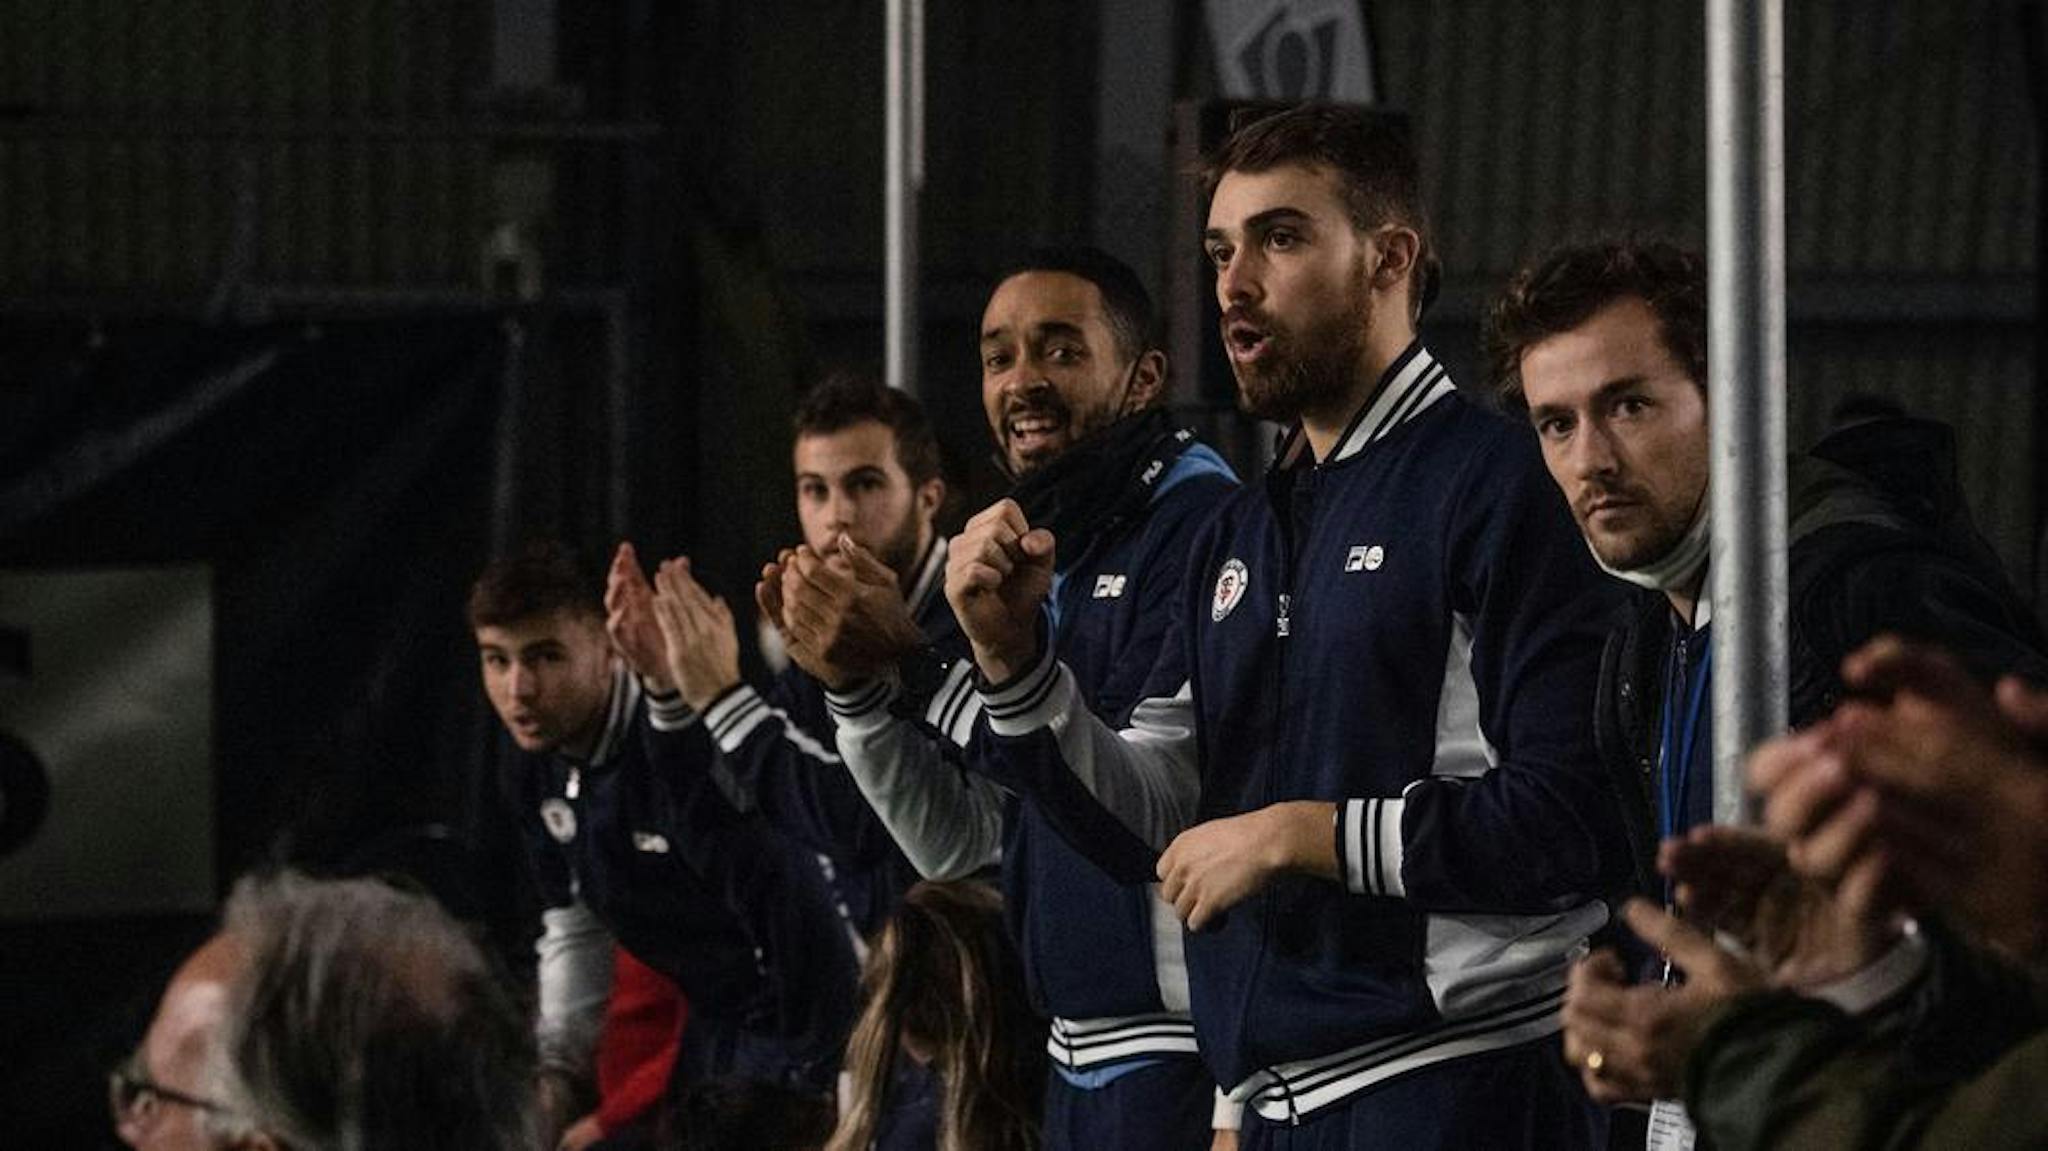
{"x": 1746, "y": 369}
{"x": 902, "y": 181}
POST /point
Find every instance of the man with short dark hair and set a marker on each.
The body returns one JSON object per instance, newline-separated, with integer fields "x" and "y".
{"x": 1364, "y": 765}
{"x": 1603, "y": 347}
{"x": 337, "y": 1016}
{"x": 697, "y": 891}
{"x": 1072, "y": 380}
{"x": 868, "y": 485}
{"x": 1046, "y": 385}
{"x": 887, "y": 500}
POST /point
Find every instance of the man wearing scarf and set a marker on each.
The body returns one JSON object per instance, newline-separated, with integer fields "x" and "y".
{"x": 1603, "y": 347}
{"x": 1072, "y": 380}
{"x": 1363, "y": 768}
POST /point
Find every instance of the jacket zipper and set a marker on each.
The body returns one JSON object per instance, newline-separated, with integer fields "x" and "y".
{"x": 572, "y": 789}
{"x": 1293, "y": 527}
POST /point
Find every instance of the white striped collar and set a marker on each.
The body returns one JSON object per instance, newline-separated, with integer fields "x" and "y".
{"x": 931, "y": 577}
{"x": 1411, "y": 385}
{"x": 618, "y": 720}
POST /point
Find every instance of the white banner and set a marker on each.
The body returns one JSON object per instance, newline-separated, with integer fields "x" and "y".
{"x": 107, "y": 693}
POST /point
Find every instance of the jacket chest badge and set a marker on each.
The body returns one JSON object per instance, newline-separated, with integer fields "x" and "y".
{"x": 1365, "y": 558}
{"x": 1230, "y": 588}
{"x": 1110, "y": 586}
{"x": 559, "y": 818}
{"x": 650, "y": 843}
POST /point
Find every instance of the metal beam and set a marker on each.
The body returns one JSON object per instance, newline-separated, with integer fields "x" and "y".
{"x": 902, "y": 182}
{"x": 1746, "y": 370}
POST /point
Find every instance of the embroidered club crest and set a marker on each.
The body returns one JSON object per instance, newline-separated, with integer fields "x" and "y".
{"x": 1230, "y": 588}
{"x": 560, "y": 819}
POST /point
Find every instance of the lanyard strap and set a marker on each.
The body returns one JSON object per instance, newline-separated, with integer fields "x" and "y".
{"x": 1674, "y": 761}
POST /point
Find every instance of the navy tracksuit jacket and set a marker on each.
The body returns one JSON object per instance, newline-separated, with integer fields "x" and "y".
{"x": 1411, "y": 631}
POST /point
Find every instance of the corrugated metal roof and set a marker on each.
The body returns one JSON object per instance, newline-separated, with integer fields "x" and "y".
{"x": 133, "y": 132}
{"x": 1910, "y": 140}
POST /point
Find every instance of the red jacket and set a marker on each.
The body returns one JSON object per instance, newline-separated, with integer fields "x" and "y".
{"x": 636, "y": 1051}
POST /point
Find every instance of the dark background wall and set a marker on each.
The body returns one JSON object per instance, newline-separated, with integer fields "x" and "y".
{"x": 530, "y": 266}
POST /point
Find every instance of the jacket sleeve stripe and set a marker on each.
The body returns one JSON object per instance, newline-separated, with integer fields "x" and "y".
{"x": 1387, "y": 851}
{"x": 945, "y": 708}
{"x": 862, "y": 700}
{"x": 669, "y": 713}
{"x": 730, "y": 706}
{"x": 962, "y": 728}
{"x": 1351, "y": 844}
{"x": 748, "y": 712}
{"x": 741, "y": 712}
{"x": 1018, "y": 708}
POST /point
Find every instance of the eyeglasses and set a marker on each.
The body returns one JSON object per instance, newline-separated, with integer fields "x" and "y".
{"x": 136, "y": 1100}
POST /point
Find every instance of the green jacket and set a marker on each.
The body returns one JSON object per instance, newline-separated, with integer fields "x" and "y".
{"x": 1776, "y": 1070}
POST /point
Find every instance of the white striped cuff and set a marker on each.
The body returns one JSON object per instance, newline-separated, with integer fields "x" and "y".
{"x": 864, "y": 706}
{"x": 669, "y": 712}
{"x": 1369, "y": 847}
{"x": 735, "y": 715}
{"x": 1029, "y": 701}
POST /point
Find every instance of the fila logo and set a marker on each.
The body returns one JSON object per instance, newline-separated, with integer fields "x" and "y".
{"x": 1230, "y": 585}
{"x": 1363, "y": 558}
{"x": 559, "y": 818}
{"x": 1109, "y": 586}
{"x": 650, "y": 843}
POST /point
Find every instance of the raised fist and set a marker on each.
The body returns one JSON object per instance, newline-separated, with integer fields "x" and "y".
{"x": 998, "y": 573}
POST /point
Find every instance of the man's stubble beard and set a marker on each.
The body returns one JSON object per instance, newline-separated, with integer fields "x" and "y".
{"x": 899, "y": 553}
{"x": 1312, "y": 368}
{"x": 1640, "y": 549}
